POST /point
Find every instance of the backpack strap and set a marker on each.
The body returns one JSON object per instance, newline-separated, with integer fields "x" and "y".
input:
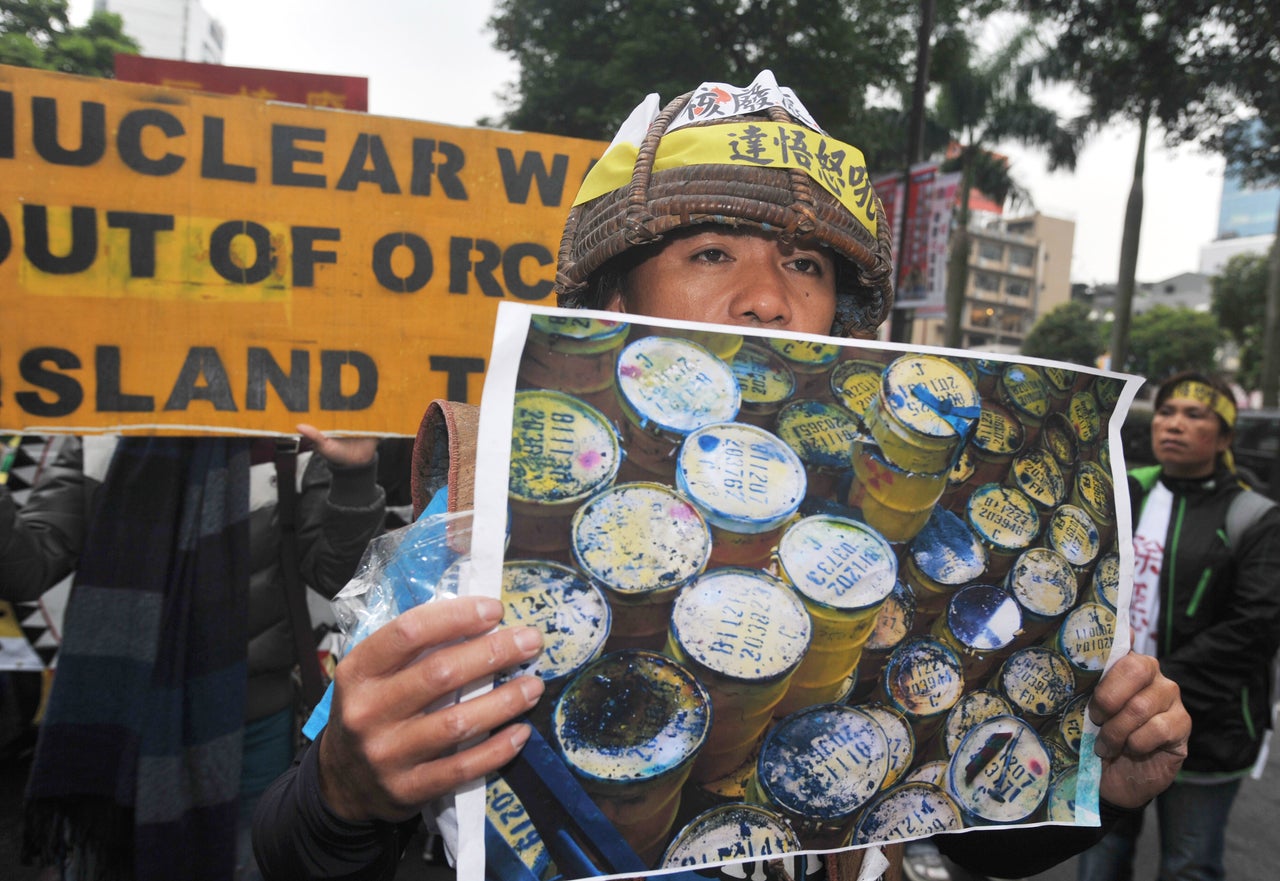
{"x": 444, "y": 454}
{"x": 1246, "y": 509}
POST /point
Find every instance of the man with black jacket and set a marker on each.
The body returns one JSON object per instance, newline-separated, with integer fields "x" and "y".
{"x": 704, "y": 239}
{"x": 1206, "y": 603}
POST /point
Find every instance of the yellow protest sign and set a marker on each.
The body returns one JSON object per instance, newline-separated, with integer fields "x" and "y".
{"x": 176, "y": 261}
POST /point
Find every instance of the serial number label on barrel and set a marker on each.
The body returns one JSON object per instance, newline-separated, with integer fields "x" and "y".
{"x": 1001, "y": 771}
{"x": 561, "y": 447}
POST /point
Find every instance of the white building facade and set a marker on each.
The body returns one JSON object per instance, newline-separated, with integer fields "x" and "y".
{"x": 176, "y": 29}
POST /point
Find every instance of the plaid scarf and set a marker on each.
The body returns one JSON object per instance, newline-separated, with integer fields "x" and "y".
{"x": 137, "y": 766}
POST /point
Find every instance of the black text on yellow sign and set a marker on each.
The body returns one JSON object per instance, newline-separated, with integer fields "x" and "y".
{"x": 191, "y": 261}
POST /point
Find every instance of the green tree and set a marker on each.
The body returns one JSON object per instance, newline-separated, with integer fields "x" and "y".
{"x": 1246, "y": 61}
{"x": 1148, "y": 62}
{"x": 584, "y": 64}
{"x": 1239, "y": 302}
{"x": 1066, "y": 334}
{"x": 1164, "y": 341}
{"x": 38, "y": 33}
{"x": 981, "y": 101}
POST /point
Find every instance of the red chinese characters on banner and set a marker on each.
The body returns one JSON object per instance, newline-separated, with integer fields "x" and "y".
{"x": 312, "y": 89}
{"x": 920, "y": 252}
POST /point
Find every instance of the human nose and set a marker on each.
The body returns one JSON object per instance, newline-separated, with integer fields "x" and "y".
{"x": 763, "y": 296}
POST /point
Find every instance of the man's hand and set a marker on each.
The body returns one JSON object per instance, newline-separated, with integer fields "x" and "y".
{"x": 1144, "y": 730}
{"x": 341, "y": 450}
{"x": 382, "y": 755}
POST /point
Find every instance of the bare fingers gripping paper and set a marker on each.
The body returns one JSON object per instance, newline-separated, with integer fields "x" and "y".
{"x": 799, "y": 593}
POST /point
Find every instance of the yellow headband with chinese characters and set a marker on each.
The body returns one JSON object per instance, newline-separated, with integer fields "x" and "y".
{"x": 837, "y": 167}
{"x": 1209, "y": 396}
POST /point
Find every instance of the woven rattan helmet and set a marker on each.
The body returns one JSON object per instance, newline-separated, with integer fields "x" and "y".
{"x": 797, "y": 202}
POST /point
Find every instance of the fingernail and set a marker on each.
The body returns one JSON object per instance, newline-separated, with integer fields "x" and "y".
{"x": 1101, "y": 750}
{"x": 489, "y": 610}
{"x": 531, "y": 687}
{"x": 527, "y": 639}
{"x": 519, "y": 735}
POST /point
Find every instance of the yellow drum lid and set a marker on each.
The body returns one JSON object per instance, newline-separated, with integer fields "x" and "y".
{"x": 631, "y": 715}
{"x": 1001, "y": 771}
{"x": 1038, "y": 681}
{"x": 1043, "y": 582}
{"x": 929, "y": 396}
{"x": 1037, "y": 474}
{"x": 1083, "y": 413}
{"x": 1094, "y": 490}
{"x": 947, "y": 551}
{"x": 1058, "y": 436}
{"x": 1060, "y": 380}
{"x": 638, "y": 538}
{"x": 998, "y": 433}
{"x": 1073, "y": 534}
{"x": 673, "y": 386}
{"x": 923, "y": 677}
{"x": 837, "y": 563}
{"x": 1106, "y": 580}
{"x": 764, "y": 379}
{"x": 743, "y": 478}
{"x": 806, "y": 356}
{"x": 1107, "y": 391}
{"x": 575, "y": 335}
{"x": 822, "y": 434}
{"x": 982, "y": 618}
{"x": 854, "y": 384}
{"x": 1003, "y": 517}
{"x": 731, "y": 832}
{"x": 823, "y": 763}
{"x": 571, "y": 613}
{"x": 743, "y": 624}
{"x": 1086, "y": 635}
{"x": 971, "y": 710}
{"x": 562, "y": 448}
{"x": 907, "y": 811}
{"x": 1025, "y": 390}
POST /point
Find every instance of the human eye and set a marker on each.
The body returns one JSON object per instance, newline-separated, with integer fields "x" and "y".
{"x": 809, "y": 266}
{"x": 710, "y": 254}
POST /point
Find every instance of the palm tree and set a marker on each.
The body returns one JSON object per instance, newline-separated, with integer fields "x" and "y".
{"x": 982, "y": 101}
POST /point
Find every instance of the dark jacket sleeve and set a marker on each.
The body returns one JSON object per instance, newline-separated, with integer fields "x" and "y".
{"x": 340, "y": 509}
{"x": 1026, "y": 851}
{"x": 41, "y": 543}
{"x": 1247, "y": 633}
{"x": 295, "y": 835}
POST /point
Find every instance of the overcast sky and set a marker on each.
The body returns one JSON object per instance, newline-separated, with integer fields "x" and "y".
{"x": 433, "y": 60}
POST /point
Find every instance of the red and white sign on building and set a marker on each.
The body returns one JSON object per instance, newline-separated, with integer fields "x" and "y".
{"x": 312, "y": 89}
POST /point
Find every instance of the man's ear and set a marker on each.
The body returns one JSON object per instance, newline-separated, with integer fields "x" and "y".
{"x": 616, "y": 302}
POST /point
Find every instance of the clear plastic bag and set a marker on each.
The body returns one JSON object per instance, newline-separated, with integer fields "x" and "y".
{"x": 418, "y": 563}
